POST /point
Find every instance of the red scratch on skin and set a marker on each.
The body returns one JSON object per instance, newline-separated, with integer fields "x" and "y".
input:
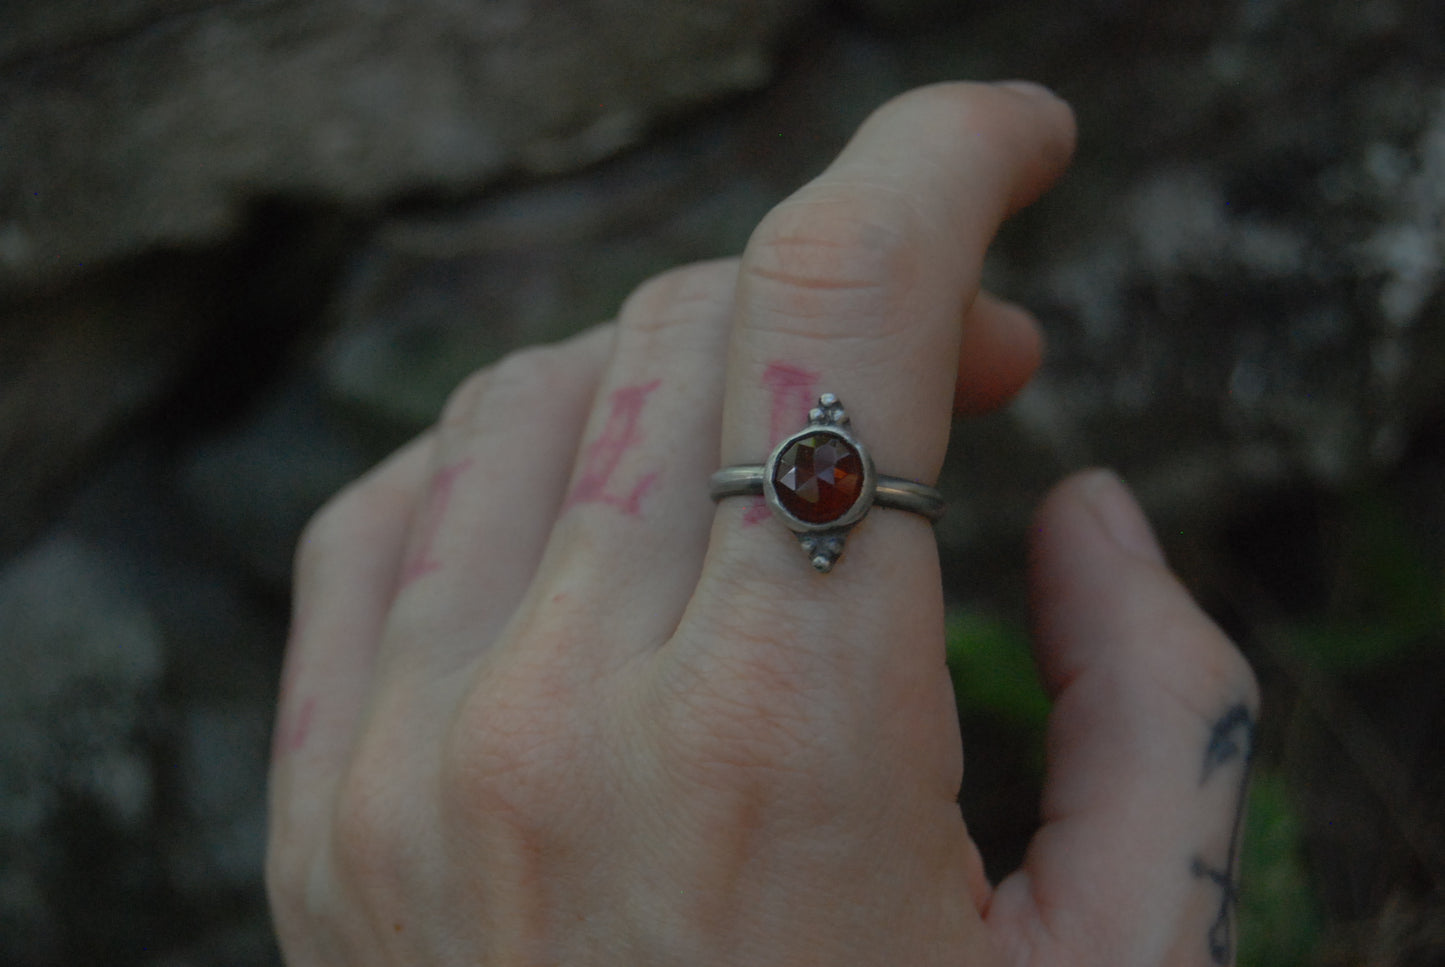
{"x": 604, "y": 454}
{"x": 421, "y": 562}
{"x": 793, "y": 392}
{"x": 293, "y": 730}
{"x": 757, "y": 511}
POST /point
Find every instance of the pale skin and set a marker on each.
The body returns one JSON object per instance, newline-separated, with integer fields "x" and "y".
{"x": 546, "y": 704}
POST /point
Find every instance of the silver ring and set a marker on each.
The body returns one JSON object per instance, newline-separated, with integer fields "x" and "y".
{"x": 821, "y": 481}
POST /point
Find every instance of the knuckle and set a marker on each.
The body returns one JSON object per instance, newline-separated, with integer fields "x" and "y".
{"x": 734, "y": 733}
{"x": 1225, "y": 665}
{"x": 464, "y": 401}
{"x": 512, "y": 755}
{"x": 518, "y": 378}
{"x": 1206, "y": 667}
{"x": 338, "y": 516}
{"x": 316, "y": 537}
{"x": 753, "y": 709}
{"x": 284, "y": 874}
{"x": 526, "y": 371}
{"x": 832, "y": 261}
{"x": 296, "y": 909}
{"x": 351, "y": 512}
{"x": 370, "y": 826}
{"x": 680, "y": 298}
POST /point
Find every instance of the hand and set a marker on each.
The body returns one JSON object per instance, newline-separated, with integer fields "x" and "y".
{"x": 547, "y": 704}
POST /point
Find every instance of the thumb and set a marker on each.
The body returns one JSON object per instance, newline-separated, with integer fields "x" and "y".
{"x": 1148, "y": 748}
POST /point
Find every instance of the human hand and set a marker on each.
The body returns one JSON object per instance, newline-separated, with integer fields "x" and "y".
{"x": 546, "y": 704}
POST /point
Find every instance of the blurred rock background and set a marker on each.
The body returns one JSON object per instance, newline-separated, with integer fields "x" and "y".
{"x": 248, "y": 247}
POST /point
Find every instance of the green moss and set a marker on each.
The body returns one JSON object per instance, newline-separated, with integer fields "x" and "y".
{"x": 1279, "y": 918}
{"x": 993, "y": 670}
{"x": 1387, "y": 599}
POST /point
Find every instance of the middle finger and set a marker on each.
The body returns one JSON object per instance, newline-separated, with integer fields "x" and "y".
{"x": 629, "y": 544}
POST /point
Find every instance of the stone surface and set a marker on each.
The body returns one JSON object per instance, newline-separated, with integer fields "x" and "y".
{"x": 440, "y": 292}
{"x": 818, "y": 478}
{"x": 84, "y": 660}
{"x": 171, "y": 118}
{"x": 78, "y": 364}
{"x": 1237, "y": 279}
{"x": 182, "y": 884}
{"x": 444, "y": 289}
{"x": 178, "y": 340}
{"x": 35, "y": 28}
{"x": 252, "y": 488}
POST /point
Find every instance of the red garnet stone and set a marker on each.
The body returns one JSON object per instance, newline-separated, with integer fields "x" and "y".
{"x": 818, "y": 477}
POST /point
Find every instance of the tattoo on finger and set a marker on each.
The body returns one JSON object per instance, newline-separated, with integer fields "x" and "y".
{"x": 1228, "y": 752}
{"x": 422, "y": 561}
{"x": 603, "y": 456}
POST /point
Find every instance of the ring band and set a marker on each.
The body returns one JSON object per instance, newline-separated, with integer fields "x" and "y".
{"x": 895, "y": 493}
{"x": 820, "y": 481}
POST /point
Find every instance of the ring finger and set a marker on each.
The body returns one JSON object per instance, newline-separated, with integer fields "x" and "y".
{"x": 852, "y": 286}
{"x": 856, "y": 286}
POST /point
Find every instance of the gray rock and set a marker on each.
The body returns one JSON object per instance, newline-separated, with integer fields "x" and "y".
{"x": 438, "y": 294}
{"x": 437, "y": 297}
{"x": 196, "y": 857}
{"x": 83, "y": 662}
{"x": 79, "y": 363}
{"x": 158, "y": 123}
{"x": 35, "y": 28}
{"x": 86, "y": 658}
{"x": 1242, "y": 277}
{"x": 252, "y": 488}
{"x": 909, "y": 13}
{"x": 221, "y": 770}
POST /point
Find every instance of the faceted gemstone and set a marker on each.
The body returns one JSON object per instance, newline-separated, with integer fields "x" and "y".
{"x": 818, "y": 477}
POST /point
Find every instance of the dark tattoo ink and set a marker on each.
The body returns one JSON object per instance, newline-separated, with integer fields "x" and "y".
{"x": 421, "y": 562}
{"x": 793, "y": 391}
{"x": 1231, "y": 740}
{"x": 604, "y": 455}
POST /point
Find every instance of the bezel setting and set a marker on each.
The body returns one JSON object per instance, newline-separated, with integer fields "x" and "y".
{"x": 822, "y": 541}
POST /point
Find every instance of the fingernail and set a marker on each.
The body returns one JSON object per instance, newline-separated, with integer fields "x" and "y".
{"x": 1029, "y": 89}
{"x": 1119, "y": 514}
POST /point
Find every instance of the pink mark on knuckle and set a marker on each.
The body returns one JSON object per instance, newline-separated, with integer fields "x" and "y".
{"x": 757, "y": 512}
{"x": 793, "y": 391}
{"x": 422, "y": 560}
{"x": 603, "y": 456}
